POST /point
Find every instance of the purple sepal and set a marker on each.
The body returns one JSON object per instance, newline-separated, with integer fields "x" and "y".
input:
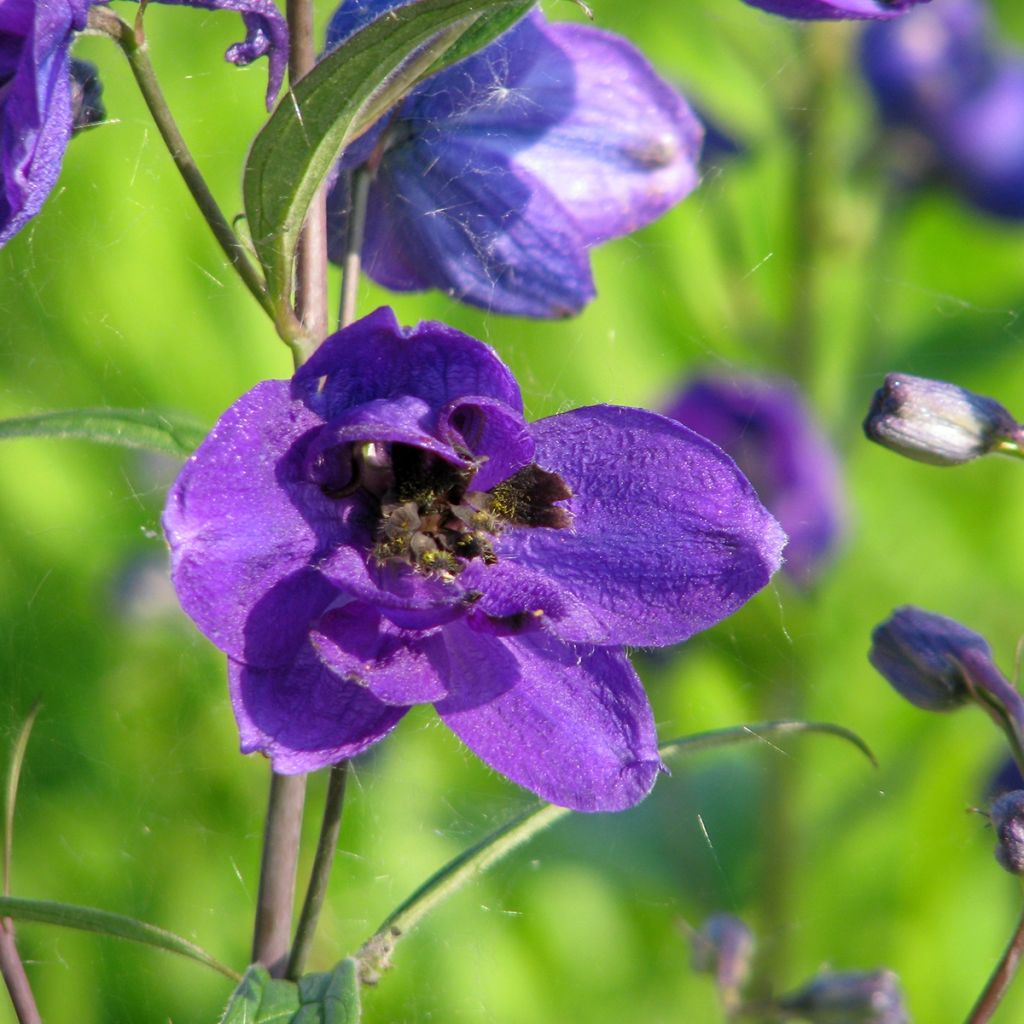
{"x": 818, "y": 10}
{"x": 266, "y": 36}
{"x": 495, "y": 176}
{"x": 768, "y": 429}
{"x": 588, "y": 705}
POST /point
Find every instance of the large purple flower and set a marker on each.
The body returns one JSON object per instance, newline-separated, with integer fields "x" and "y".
{"x": 767, "y": 428}
{"x": 817, "y": 10}
{"x": 941, "y": 74}
{"x": 36, "y": 89}
{"x": 495, "y": 177}
{"x": 386, "y": 530}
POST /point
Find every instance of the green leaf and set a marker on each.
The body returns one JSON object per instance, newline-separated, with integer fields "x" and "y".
{"x": 348, "y": 91}
{"x": 89, "y": 919}
{"x": 375, "y": 955}
{"x": 483, "y": 31}
{"x": 328, "y": 998}
{"x": 167, "y": 433}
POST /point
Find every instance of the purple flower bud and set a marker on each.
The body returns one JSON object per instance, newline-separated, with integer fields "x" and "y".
{"x": 833, "y": 9}
{"x": 1007, "y": 814}
{"x": 767, "y": 428}
{"x": 937, "y": 422}
{"x": 723, "y": 947}
{"x": 87, "y": 107}
{"x": 922, "y": 655}
{"x": 849, "y": 997}
{"x": 495, "y": 177}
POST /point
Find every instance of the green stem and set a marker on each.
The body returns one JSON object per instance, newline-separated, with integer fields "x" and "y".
{"x": 273, "y": 926}
{"x": 359, "y": 192}
{"x": 321, "y": 873}
{"x": 133, "y": 44}
{"x": 1001, "y": 977}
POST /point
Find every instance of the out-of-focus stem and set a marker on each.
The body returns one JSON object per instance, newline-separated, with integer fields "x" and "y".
{"x": 133, "y": 44}
{"x": 311, "y": 256}
{"x": 359, "y": 192}
{"x": 321, "y": 873}
{"x": 13, "y": 971}
{"x": 272, "y": 931}
{"x": 1001, "y": 977}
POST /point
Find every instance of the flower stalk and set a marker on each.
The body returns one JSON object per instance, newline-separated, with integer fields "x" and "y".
{"x": 359, "y": 193}
{"x": 1001, "y": 978}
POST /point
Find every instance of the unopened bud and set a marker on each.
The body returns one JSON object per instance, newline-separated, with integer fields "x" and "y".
{"x": 1007, "y": 814}
{"x": 723, "y": 947}
{"x": 937, "y": 422}
{"x": 848, "y": 997}
{"x": 921, "y": 654}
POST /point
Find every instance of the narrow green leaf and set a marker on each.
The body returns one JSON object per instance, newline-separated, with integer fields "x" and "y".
{"x": 167, "y": 433}
{"x": 375, "y": 955}
{"x": 89, "y": 919}
{"x": 348, "y": 91}
{"x": 11, "y": 795}
{"x": 331, "y": 997}
{"x": 483, "y": 31}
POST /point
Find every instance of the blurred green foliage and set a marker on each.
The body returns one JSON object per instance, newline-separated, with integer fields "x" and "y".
{"x": 133, "y": 796}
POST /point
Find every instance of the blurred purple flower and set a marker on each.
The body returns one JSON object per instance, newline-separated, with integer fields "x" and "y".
{"x": 385, "y": 530}
{"x": 38, "y": 89}
{"x": 496, "y": 176}
{"x": 940, "y": 74}
{"x": 766, "y": 427}
{"x": 849, "y": 997}
{"x": 818, "y": 10}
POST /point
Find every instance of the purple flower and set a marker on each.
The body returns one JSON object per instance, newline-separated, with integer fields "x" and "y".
{"x": 386, "y": 530}
{"x": 818, "y": 10}
{"x": 38, "y": 89}
{"x": 766, "y": 427}
{"x": 940, "y": 74}
{"x": 496, "y": 176}
{"x": 849, "y": 997}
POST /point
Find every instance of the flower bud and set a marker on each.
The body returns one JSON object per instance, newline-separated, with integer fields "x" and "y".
{"x": 848, "y": 997}
{"x": 921, "y": 654}
{"x": 937, "y": 422}
{"x": 1007, "y": 814}
{"x": 87, "y": 107}
{"x": 723, "y": 947}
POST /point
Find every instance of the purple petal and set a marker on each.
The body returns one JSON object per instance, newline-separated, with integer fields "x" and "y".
{"x": 492, "y": 434}
{"x": 35, "y": 103}
{"x": 266, "y": 36}
{"x": 303, "y": 716}
{"x": 375, "y": 359}
{"x": 830, "y": 9}
{"x": 574, "y": 726}
{"x": 766, "y": 427}
{"x": 396, "y": 666}
{"x": 668, "y": 535}
{"x": 481, "y": 229}
{"x": 242, "y": 519}
{"x": 627, "y": 149}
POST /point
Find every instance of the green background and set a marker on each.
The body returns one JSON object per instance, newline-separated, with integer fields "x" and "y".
{"x": 134, "y": 797}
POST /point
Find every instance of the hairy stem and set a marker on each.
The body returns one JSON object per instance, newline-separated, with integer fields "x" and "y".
{"x": 272, "y": 930}
{"x": 359, "y": 192}
{"x": 15, "y": 979}
{"x": 1001, "y": 977}
{"x": 133, "y": 44}
{"x": 311, "y": 256}
{"x": 321, "y": 873}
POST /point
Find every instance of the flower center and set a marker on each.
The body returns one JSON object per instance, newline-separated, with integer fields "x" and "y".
{"x": 432, "y": 520}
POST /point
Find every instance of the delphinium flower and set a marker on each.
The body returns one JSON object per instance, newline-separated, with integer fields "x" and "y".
{"x": 848, "y": 997}
{"x": 940, "y": 77}
{"x": 834, "y": 9}
{"x": 386, "y": 530}
{"x": 495, "y": 177}
{"x": 940, "y": 423}
{"x": 39, "y": 89}
{"x": 767, "y": 428}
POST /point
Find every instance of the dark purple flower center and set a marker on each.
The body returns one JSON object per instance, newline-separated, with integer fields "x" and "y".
{"x": 430, "y": 518}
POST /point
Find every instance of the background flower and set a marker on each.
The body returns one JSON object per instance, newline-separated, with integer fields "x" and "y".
{"x": 766, "y": 427}
{"x": 495, "y": 177}
{"x": 386, "y": 530}
{"x": 832, "y": 9}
